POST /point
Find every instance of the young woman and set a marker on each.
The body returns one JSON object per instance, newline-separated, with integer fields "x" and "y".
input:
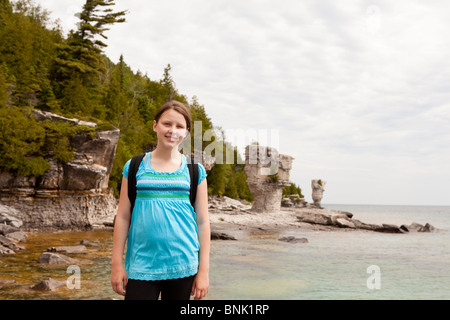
{"x": 168, "y": 240}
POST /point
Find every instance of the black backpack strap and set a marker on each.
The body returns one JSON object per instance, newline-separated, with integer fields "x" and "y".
{"x": 134, "y": 166}
{"x": 193, "y": 173}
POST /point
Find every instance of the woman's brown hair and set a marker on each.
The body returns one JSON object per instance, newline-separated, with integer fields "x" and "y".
{"x": 178, "y": 107}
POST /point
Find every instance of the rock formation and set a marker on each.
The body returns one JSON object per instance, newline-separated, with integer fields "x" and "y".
{"x": 72, "y": 195}
{"x": 318, "y": 187}
{"x": 343, "y": 219}
{"x": 267, "y": 174}
{"x": 294, "y": 200}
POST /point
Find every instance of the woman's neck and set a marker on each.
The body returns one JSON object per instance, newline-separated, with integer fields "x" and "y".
{"x": 166, "y": 154}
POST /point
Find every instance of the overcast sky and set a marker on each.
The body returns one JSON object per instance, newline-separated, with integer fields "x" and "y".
{"x": 358, "y": 91}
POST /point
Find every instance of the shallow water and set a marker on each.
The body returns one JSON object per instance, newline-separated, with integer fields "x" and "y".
{"x": 336, "y": 264}
{"x": 23, "y": 268}
{"x": 332, "y": 265}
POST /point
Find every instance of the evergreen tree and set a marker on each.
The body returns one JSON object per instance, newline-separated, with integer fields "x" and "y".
{"x": 21, "y": 139}
{"x": 168, "y": 84}
{"x": 94, "y": 18}
{"x": 80, "y": 59}
{"x": 292, "y": 189}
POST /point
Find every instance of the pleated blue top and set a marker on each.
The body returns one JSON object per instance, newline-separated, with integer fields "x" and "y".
{"x": 163, "y": 237}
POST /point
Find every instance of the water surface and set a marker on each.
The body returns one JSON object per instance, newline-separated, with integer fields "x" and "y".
{"x": 332, "y": 265}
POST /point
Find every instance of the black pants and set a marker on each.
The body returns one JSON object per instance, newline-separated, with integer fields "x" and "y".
{"x": 172, "y": 289}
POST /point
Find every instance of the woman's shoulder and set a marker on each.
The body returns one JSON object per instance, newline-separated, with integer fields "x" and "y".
{"x": 126, "y": 167}
{"x": 201, "y": 173}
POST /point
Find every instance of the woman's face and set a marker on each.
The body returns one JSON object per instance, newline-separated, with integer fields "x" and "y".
{"x": 170, "y": 129}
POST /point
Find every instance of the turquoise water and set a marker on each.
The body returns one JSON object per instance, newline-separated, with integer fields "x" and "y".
{"x": 332, "y": 265}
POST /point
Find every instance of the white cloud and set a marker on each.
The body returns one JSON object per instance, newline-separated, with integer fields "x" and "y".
{"x": 359, "y": 90}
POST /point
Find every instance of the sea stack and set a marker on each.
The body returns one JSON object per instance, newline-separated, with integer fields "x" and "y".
{"x": 267, "y": 174}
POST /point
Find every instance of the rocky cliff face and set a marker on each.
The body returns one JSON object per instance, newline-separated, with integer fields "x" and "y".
{"x": 73, "y": 195}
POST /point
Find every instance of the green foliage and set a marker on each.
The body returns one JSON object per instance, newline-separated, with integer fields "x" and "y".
{"x": 27, "y": 49}
{"x": 241, "y": 185}
{"x": 293, "y": 189}
{"x": 273, "y": 178}
{"x": 25, "y": 144}
{"x": 3, "y": 88}
{"x": 21, "y": 140}
{"x": 229, "y": 180}
{"x": 94, "y": 18}
{"x": 57, "y": 139}
{"x": 40, "y": 68}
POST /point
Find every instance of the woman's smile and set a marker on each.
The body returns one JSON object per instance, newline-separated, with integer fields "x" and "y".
{"x": 173, "y": 137}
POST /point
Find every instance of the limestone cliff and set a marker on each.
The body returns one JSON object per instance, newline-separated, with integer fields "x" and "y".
{"x": 73, "y": 195}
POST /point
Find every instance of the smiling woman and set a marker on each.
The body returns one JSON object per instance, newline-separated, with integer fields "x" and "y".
{"x": 168, "y": 239}
{"x": 177, "y": 120}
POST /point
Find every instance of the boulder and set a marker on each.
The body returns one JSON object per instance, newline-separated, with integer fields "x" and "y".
{"x": 18, "y": 236}
{"x": 5, "y": 250}
{"x": 389, "y": 228}
{"x": 345, "y": 223}
{"x": 221, "y": 236}
{"x": 344, "y": 219}
{"x": 10, "y": 216}
{"x": 68, "y": 249}
{"x": 292, "y": 239}
{"x": 428, "y": 228}
{"x": 6, "y": 242}
{"x": 315, "y": 217}
{"x": 48, "y": 285}
{"x": 287, "y": 202}
{"x": 88, "y": 243}
{"x": 5, "y": 229}
{"x": 55, "y": 258}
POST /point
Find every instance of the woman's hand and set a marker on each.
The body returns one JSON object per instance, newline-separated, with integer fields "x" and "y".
{"x": 119, "y": 279}
{"x": 200, "y": 286}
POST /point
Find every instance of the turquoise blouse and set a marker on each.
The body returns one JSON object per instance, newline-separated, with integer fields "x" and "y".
{"x": 163, "y": 237}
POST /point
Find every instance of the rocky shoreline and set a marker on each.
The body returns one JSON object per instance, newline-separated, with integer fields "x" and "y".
{"x": 230, "y": 219}
{"x": 226, "y": 214}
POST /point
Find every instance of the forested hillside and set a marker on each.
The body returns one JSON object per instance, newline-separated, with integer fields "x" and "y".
{"x": 41, "y": 68}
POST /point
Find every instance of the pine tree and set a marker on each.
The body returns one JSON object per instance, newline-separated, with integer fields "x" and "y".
{"x": 168, "y": 84}
{"x": 94, "y": 18}
{"x": 80, "y": 58}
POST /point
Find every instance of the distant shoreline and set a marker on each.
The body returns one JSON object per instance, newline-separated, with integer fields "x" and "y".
{"x": 225, "y": 219}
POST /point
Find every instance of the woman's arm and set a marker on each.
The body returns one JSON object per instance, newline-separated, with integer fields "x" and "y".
{"x": 121, "y": 225}
{"x": 201, "y": 281}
